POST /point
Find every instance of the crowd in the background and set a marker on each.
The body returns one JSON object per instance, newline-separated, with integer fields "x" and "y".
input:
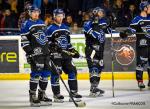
{"x": 77, "y": 11}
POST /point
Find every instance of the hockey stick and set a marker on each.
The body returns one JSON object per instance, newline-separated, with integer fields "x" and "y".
{"x": 70, "y": 53}
{"x": 77, "y": 104}
{"x": 112, "y": 64}
{"x": 136, "y": 33}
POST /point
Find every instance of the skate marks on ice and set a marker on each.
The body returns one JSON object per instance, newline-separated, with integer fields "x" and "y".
{"x": 14, "y": 95}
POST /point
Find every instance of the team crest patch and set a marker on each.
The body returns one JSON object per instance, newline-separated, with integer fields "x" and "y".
{"x": 40, "y": 37}
{"x": 125, "y": 55}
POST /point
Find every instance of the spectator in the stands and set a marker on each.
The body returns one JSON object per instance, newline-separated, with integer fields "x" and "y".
{"x": 85, "y": 18}
{"x": 75, "y": 29}
{"x": 14, "y": 4}
{"x": 130, "y": 14}
{"x": 5, "y": 4}
{"x": 48, "y": 19}
{"x": 24, "y": 15}
{"x": 119, "y": 12}
{"x": 69, "y": 21}
{"x": 46, "y": 8}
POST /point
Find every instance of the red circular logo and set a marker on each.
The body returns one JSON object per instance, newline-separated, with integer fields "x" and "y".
{"x": 125, "y": 55}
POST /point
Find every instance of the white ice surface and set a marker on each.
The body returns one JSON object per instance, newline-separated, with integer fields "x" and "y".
{"x": 14, "y": 95}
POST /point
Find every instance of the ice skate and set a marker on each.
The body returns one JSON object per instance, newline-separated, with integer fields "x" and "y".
{"x": 59, "y": 98}
{"x": 43, "y": 98}
{"x": 95, "y": 92}
{"x": 77, "y": 97}
{"x": 34, "y": 101}
{"x": 141, "y": 85}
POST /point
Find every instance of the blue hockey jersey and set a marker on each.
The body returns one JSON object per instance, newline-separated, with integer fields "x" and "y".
{"x": 60, "y": 35}
{"x": 141, "y": 25}
{"x": 33, "y": 37}
{"x": 95, "y": 32}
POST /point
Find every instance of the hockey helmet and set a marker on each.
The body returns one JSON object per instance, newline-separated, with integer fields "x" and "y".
{"x": 57, "y": 12}
{"x": 97, "y": 9}
{"x": 33, "y": 8}
{"x": 143, "y": 5}
{"x": 27, "y": 5}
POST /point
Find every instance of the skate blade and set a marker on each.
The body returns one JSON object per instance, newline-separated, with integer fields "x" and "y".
{"x": 35, "y": 105}
{"x": 45, "y": 103}
{"x": 141, "y": 89}
{"x": 95, "y": 95}
{"x": 75, "y": 99}
{"x": 58, "y": 100}
{"x": 81, "y": 104}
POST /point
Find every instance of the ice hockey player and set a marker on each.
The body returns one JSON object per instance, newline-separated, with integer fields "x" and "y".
{"x": 141, "y": 24}
{"x": 59, "y": 38}
{"x": 35, "y": 44}
{"x": 94, "y": 31}
{"x": 24, "y": 15}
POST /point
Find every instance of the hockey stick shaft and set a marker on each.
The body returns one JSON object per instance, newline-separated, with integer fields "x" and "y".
{"x": 112, "y": 65}
{"x": 70, "y": 53}
{"x": 68, "y": 91}
{"x": 66, "y": 86}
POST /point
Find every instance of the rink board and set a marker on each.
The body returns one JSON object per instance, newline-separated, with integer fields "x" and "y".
{"x": 78, "y": 41}
{"x": 81, "y": 76}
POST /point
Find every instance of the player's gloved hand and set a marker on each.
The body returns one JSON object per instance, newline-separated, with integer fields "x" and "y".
{"x": 58, "y": 49}
{"x": 54, "y": 47}
{"x": 103, "y": 27}
{"x": 29, "y": 57}
{"x": 123, "y": 35}
{"x": 100, "y": 36}
{"x": 75, "y": 53}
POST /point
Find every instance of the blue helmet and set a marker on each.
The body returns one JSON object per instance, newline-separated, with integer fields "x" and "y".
{"x": 33, "y": 8}
{"x": 58, "y": 11}
{"x": 143, "y": 5}
{"x": 96, "y": 10}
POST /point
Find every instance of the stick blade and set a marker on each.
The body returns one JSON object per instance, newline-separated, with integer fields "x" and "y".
{"x": 81, "y": 104}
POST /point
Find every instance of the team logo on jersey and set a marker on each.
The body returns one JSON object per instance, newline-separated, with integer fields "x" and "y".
{"x": 40, "y": 37}
{"x": 62, "y": 41}
{"x": 125, "y": 55}
{"x": 37, "y": 51}
{"x": 143, "y": 42}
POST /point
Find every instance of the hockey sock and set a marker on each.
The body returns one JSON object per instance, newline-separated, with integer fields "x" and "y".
{"x": 139, "y": 76}
{"x": 56, "y": 89}
{"x": 33, "y": 84}
{"x": 94, "y": 80}
{"x": 43, "y": 83}
{"x": 73, "y": 85}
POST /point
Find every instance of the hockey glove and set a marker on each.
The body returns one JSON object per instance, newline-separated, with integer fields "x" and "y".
{"x": 53, "y": 47}
{"x": 75, "y": 53}
{"x": 58, "y": 49}
{"x": 123, "y": 35}
{"x": 29, "y": 59}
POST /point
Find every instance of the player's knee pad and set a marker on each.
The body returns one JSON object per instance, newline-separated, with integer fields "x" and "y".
{"x": 45, "y": 74}
{"x": 34, "y": 78}
{"x": 142, "y": 60}
{"x": 139, "y": 72}
{"x": 94, "y": 76}
{"x": 94, "y": 71}
{"x": 54, "y": 80}
{"x": 139, "y": 67}
{"x": 72, "y": 75}
{"x": 34, "y": 74}
{"x": 44, "y": 79}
